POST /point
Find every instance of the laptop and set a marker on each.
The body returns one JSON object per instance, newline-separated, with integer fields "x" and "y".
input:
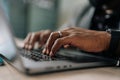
{"x": 33, "y": 61}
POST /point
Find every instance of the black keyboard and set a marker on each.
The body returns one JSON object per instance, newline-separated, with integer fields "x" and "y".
{"x": 70, "y": 55}
{"x": 37, "y": 55}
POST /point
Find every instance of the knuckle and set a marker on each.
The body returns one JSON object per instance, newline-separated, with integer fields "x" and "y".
{"x": 41, "y": 35}
{"x": 34, "y": 35}
{"x": 73, "y": 36}
{"x": 53, "y": 34}
{"x": 59, "y": 41}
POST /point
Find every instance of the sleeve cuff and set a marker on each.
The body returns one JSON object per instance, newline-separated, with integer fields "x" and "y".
{"x": 115, "y": 38}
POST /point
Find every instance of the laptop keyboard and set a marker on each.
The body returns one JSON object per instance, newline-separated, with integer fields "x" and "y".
{"x": 70, "y": 55}
{"x": 37, "y": 55}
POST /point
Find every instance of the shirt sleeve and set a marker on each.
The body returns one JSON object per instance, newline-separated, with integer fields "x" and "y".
{"x": 114, "y": 48}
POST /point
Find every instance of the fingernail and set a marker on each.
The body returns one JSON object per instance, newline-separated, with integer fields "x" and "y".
{"x": 44, "y": 50}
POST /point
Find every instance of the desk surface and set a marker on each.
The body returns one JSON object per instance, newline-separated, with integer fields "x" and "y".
{"x": 107, "y": 73}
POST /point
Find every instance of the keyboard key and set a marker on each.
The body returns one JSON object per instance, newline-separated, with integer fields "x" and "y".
{"x": 36, "y": 55}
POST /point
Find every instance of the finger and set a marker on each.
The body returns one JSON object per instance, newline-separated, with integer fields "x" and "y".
{"x": 33, "y": 40}
{"x": 50, "y": 41}
{"x": 59, "y": 43}
{"x": 26, "y": 41}
{"x": 52, "y": 38}
{"x": 43, "y": 37}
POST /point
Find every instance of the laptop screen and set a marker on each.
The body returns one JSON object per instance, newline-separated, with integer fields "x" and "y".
{"x": 7, "y": 46}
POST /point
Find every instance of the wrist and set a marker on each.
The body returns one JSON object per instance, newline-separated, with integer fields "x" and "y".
{"x": 108, "y": 40}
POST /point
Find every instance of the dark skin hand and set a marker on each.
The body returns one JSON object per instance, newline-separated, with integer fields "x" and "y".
{"x": 86, "y": 40}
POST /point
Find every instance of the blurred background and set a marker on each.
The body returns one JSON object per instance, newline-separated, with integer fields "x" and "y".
{"x": 33, "y": 15}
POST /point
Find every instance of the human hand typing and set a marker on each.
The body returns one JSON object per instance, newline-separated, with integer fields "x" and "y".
{"x": 86, "y": 40}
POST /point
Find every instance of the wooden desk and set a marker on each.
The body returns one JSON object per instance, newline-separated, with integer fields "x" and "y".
{"x": 9, "y": 73}
{"x": 109, "y": 73}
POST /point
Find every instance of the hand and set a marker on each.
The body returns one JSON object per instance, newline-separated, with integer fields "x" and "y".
{"x": 87, "y": 40}
{"x": 34, "y": 37}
